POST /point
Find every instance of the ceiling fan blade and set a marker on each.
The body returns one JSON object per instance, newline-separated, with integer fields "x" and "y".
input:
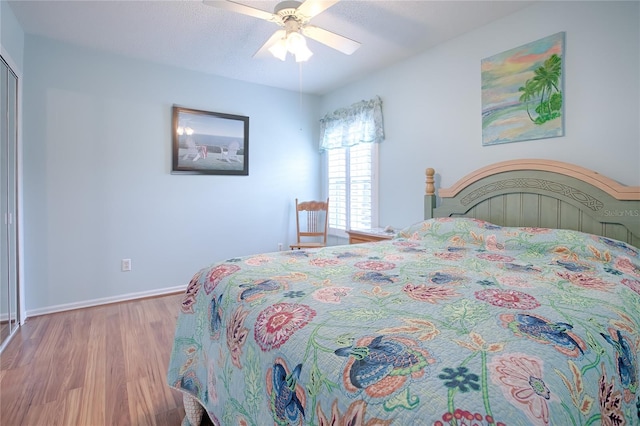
{"x": 333, "y": 40}
{"x": 264, "y": 50}
{"x": 241, "y": 8}
{"x": 311, "y": 8}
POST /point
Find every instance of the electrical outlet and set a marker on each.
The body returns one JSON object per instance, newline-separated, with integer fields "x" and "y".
{"x": 279, "y": 246}
{"x": 126, "y": 265}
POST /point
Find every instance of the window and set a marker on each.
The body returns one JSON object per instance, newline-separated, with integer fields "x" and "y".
{"x": 352, "y": 187}
{"x": 349, "y": 137}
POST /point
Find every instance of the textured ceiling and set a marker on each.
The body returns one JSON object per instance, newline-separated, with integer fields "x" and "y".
{"x": 195, "y": 36}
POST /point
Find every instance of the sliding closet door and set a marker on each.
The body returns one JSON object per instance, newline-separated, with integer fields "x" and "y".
{"x": 5, "y": 329}
{"x": 12, "y": 197}
{"x": 8, "y": 203}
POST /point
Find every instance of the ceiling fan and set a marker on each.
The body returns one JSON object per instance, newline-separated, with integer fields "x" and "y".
{"x": 294, "y": 17}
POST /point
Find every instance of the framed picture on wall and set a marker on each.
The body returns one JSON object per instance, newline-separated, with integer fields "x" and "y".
{"x": 523, "y": 92}
{"x": 209, "y": 143}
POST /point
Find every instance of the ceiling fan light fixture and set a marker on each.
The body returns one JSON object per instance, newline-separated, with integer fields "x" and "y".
{"x": 279, "y": 50}
{"x": 303, "y": 54}
{"x": 297, "y": 45}
{"x": 295, "y": 41}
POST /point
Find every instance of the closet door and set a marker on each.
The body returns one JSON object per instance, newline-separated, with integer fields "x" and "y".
{"x": 12, "y": 197}
{"x": 8, "y": 203}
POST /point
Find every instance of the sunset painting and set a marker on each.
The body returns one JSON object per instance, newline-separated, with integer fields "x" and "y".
{"x": 522, "y": 92}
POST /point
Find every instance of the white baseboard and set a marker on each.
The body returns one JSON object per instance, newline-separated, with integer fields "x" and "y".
{"x": 103, "y": 301}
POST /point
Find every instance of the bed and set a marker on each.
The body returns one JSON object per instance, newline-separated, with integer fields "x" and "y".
{"x": 515, "y": 302}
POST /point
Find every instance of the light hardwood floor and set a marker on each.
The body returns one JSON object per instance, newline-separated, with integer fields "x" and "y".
{"x": 97, "y": 366}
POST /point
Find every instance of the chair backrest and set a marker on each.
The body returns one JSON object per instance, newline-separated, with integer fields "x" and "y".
{"x": 312, "y": 221}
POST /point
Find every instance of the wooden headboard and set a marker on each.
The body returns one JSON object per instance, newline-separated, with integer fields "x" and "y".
{"x": 541, "y": 193}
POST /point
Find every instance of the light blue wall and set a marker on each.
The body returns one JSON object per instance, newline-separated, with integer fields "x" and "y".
{"x": 432, "y": 104}
{"x": 98, "y": 188}
{"x": 11, "y": 36}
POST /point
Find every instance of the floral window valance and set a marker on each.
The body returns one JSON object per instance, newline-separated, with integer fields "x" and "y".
{"x": 360, "y": 123}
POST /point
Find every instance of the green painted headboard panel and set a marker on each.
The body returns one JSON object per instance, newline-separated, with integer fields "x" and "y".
{"x": 542, "y": 193}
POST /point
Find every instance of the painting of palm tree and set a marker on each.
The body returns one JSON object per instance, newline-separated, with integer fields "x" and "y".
{"x": 522, "y": 92}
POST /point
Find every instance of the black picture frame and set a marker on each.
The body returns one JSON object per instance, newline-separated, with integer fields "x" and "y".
{"x": 209, "y": 143}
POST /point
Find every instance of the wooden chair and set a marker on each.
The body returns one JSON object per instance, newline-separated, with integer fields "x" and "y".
{"x": 312, "y": 223}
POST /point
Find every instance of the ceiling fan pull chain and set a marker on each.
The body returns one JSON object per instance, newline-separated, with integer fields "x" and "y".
{"x": 300, "y": 92}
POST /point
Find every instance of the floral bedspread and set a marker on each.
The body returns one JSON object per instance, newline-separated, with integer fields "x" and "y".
{"x": 452, "y": 322}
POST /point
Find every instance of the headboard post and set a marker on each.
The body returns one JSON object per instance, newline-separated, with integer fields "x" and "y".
{"x": 430, "y": 194}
